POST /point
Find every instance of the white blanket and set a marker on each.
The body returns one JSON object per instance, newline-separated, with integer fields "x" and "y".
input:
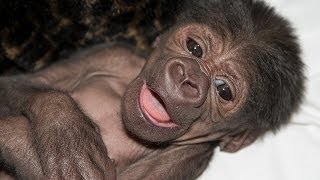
{"x": 294, "y": 152}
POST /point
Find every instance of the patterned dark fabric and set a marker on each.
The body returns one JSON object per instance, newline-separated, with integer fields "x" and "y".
{"x": 35, "y": 33}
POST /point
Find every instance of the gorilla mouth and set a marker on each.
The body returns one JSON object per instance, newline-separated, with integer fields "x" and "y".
{"x": 154, "y": 108}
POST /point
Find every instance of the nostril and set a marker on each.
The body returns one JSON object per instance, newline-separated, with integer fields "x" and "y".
{"x": 186, "y": 83}
{"x": 185, "y": 79}
{"x": 190, "y": 89}
{"x": 178, "y": 73}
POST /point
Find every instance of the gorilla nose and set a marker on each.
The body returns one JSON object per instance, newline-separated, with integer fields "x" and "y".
{"x": 190, "y": 83}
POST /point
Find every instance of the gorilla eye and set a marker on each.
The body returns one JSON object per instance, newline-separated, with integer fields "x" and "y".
{"x": 194, "y": 48}
{"x": 223, "y": 90}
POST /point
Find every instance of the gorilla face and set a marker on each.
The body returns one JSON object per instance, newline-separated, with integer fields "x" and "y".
{"x": 187, "y": 80}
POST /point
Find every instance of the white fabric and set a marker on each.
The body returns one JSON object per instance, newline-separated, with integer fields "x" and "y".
{"x": 294, "y": 152}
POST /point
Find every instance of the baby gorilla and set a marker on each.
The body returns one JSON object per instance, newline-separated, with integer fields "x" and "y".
{"x": 224, "y": 74}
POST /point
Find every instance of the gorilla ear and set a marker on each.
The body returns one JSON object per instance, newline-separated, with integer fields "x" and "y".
{"x": 233, "y": 143}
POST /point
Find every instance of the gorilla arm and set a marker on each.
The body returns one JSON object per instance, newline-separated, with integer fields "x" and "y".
{"x": 17, "y": 148}
{"x": 62, "y": 135}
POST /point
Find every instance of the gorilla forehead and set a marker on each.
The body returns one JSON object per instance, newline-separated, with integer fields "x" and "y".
{"x": 227, "y": 17}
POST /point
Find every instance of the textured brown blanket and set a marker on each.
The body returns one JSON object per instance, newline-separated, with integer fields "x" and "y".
{"x": 35, "y": 33}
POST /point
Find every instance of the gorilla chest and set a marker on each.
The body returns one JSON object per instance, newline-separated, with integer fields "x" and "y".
{"x": 100, "y": 98}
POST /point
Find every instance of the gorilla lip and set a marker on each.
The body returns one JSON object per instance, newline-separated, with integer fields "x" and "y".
{"x": 154, "y": 109}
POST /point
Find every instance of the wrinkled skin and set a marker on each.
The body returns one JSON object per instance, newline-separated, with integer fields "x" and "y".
{"x": 109, "y": 112}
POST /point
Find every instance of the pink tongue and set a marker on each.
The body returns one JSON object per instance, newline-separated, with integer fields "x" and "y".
{"x": 153, "y": 106}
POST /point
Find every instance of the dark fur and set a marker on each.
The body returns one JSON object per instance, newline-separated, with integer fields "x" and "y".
{"x": 275, "y": 89}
